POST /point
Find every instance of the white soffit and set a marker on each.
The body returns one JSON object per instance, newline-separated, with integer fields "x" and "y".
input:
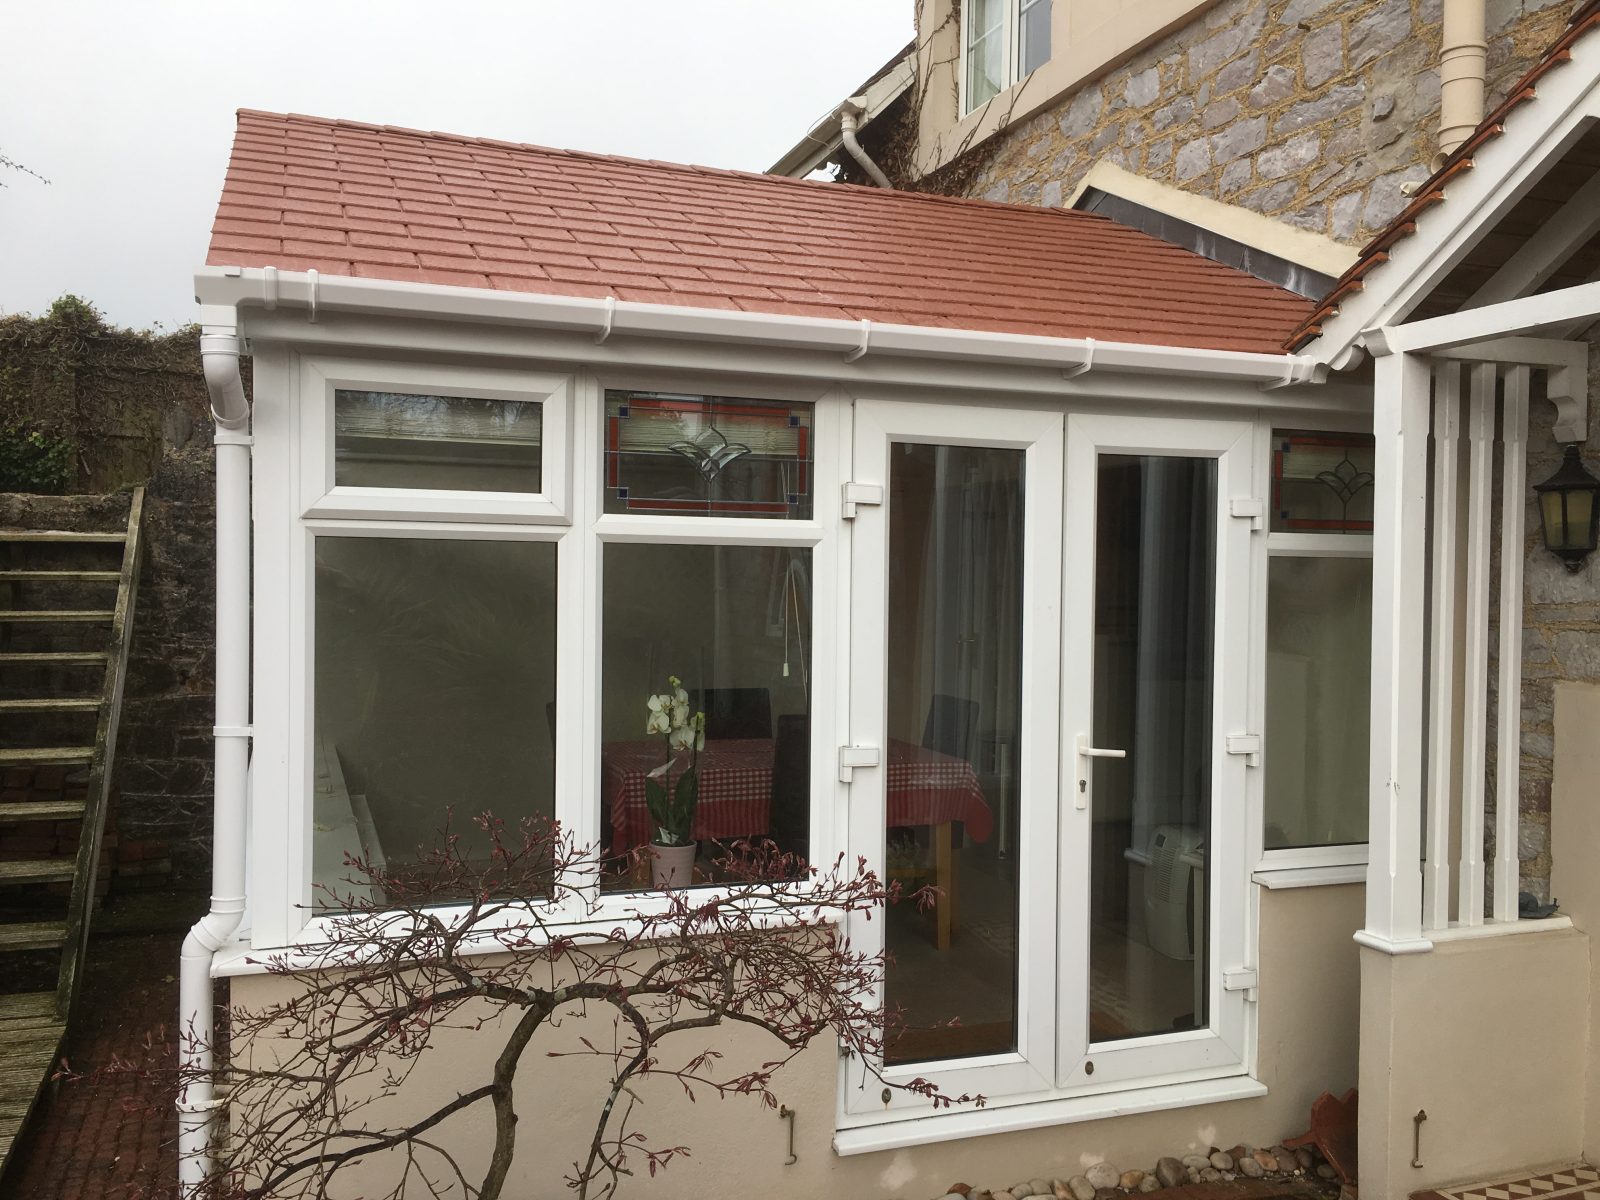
{"x": 1299, "y": 246}
{"x": 1535, "y": 134}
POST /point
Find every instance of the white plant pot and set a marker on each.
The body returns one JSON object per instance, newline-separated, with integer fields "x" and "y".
{"x": 672, "y": 866}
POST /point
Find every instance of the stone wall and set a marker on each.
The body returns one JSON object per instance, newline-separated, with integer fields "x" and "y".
{"x": 1560, "y": 641}
{"x": 1314, "y": 112}
{"x": 134, "y": 406}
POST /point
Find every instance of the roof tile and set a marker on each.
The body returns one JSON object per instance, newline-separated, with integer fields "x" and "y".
{"x": 380, "y": 202}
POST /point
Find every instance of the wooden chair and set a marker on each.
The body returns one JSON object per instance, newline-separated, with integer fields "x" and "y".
{"x": 737, "y": 712}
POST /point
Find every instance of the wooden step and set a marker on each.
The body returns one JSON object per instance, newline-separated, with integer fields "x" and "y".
{"x": 37, "y": 870}
{"x": 41, "y": 810}
{"x": 35, "y": 935}
{"x": 46, "y": 756}
{"x": 60, "y": 704}
{"x": 60, "y": 576}
{"x": 63, "y": 535}
{"x": 54, "y": 616}
{"x": 55, "y": 658}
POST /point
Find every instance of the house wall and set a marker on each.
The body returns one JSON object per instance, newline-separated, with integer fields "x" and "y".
{"x": 1489, "y": 1037}
{"x": 1309, "y": 1010}
{"x": 1314, "y": 112}
{"x": 1576, "y": 826}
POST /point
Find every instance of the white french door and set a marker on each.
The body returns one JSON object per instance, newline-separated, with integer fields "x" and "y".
{"x": 1049, "y": 647}
{"x": 955, "y": 655}
{"x": 1152, "y": 840}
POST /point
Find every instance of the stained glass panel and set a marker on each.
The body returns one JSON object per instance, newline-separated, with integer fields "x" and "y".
{"x": 707, "y": 456}
{"x": 1321, "y": 482}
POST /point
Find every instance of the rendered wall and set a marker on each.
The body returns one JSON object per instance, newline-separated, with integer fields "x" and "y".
{"x": 1489, "y": 1037}
{"x": 1309, "y": 1006}
{"x": 1575, "y": 826}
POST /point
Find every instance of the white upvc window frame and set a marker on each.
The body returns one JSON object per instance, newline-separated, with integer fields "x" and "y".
{"x": 299, "y": 504}
{"x": 1304, "y": 866}
{"x": 1010, "y": 34}
{"x": 322, "y": 376}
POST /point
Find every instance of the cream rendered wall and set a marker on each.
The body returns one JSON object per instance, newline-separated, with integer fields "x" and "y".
{"x": 1489, "y": 1036}
{"x": 1087, "y": 38}
{"x": 1308, "y": 1030}
{"x": 1575, "y": 838}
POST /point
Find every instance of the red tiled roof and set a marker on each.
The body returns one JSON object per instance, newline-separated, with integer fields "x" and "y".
{"x": 1431, "y": 192}
{"x": 380, "y": 202}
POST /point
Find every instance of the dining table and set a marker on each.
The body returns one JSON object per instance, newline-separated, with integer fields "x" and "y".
{"x": 924, "y": 787}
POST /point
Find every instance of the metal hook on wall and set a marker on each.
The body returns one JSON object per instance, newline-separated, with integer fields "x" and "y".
{"x": 785, "y": 1113}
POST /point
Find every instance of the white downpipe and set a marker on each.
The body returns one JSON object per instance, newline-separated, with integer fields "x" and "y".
{"x": 197, "y": 1102}
{"x": 849, "y": 122}
{"x": 1463, "y": 55}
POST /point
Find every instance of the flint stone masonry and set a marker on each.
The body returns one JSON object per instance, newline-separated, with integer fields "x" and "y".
{"x": 1316, "y": 112}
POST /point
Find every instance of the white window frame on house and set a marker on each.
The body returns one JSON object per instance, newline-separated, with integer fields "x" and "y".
{"x": 1011, "y": 54}
{"x": 1306, "y": 866}
{"x": 301, "y": 504}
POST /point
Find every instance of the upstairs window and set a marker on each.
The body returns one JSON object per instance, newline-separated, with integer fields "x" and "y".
{"x": 1004, "y": 41}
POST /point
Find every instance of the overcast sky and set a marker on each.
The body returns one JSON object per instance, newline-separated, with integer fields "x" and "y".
{"x": 127, "y": 108}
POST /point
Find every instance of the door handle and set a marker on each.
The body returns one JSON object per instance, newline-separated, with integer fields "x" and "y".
{"x": 1085, "y": 753}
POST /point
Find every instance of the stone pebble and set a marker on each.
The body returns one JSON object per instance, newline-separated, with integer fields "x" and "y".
{"x": 1080, "y": 1188}
{"x": 1197, "y": 1162}
{"x": 1170, "y": 1172}
{"x": 1211, "y": 1175}
{"x": 1129, "y": 1181}
{"x": 1251, "y": 1167}
{"x": 1149, "y": 1184}
{"x": 1222, "y": 1160}
{"x": 1103, "y": 1175}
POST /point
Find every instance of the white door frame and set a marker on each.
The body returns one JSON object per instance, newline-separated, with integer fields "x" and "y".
{"x": 1221, "y": 1047}
{"x": 878, "y": 425}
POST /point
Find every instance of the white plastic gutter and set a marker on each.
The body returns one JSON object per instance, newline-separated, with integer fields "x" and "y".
{"x": 247, "y": 287}
{"x": 197, "y": 1101}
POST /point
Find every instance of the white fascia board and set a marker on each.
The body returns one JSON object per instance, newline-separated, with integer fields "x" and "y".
{"x": 319, "y": 296}
{"x": 1503, "y": 172}
{"x": 822, "y": 142}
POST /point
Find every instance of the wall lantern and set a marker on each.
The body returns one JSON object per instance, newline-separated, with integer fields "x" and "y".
{"x": 1568, "y": 511}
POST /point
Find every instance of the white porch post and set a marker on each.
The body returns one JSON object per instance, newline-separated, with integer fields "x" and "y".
{"x": 1399, "y": 561}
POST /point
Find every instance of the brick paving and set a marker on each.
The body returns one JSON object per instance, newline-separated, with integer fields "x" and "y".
{"x": 108, "y": 1139}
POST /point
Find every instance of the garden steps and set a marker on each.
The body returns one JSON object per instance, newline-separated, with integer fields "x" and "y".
{"x": 61, "y": 610}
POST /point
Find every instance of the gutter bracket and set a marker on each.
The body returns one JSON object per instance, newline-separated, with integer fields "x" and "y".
{"x": 608, "y": 320}
{"x": 1085, "y": 366}
{"x": 861, "y": 347}
{"x": 269, "y": 288}
{"x": 311, "y": 312}
{"x": 1297, "y": 368}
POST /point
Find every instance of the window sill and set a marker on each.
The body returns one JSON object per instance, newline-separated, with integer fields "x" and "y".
{"x": 1276, "y": 878}
{"x": 976, "y": 1122}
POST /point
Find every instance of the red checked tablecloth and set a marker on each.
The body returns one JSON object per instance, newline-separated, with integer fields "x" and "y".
{"x": 925, "y": 788}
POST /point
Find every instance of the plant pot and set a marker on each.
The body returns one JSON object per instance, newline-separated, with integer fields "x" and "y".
{"x": 672, "y": 866}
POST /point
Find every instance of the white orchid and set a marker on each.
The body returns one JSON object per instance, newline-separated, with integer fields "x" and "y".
{"x": 682, "y": 737}
{"x": 673, "y": 805}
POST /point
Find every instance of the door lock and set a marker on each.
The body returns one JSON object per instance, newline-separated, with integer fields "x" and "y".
{"x": 1085, "y": 753}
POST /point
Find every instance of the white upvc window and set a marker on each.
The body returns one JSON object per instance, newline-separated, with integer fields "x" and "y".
{"x": 1002, "y": 41}
{"x": 1318, "y": 634}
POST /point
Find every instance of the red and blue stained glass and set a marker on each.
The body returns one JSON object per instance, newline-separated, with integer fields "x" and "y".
{"x": 1322, "y": 482}
{"x": 711, "y": 456}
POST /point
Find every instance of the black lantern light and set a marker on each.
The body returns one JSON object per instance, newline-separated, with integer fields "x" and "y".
{"x": 1568, "y": 510}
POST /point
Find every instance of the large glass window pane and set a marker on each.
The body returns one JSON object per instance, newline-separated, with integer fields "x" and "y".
{"x": 707, "y": 456}
{"x": 985, "y": 50}
{"x": 733, "y": 624}
{"x": 1155, "y": 584}
{"x": 1319, "y": 670}
{"x": 453, "y": 443}
{"x": 955, "y": 657}
{"x": 435, "y": 694}
{"x": 1321, "y": 482}
{"x": 1033, "y": 39}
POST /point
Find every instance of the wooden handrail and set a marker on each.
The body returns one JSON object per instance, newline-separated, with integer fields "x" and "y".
{"x": 91, "y": 833}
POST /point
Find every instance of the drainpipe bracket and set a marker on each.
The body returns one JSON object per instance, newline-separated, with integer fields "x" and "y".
{"x": 232, "y": 437}
{"x": 233, "y": 731}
